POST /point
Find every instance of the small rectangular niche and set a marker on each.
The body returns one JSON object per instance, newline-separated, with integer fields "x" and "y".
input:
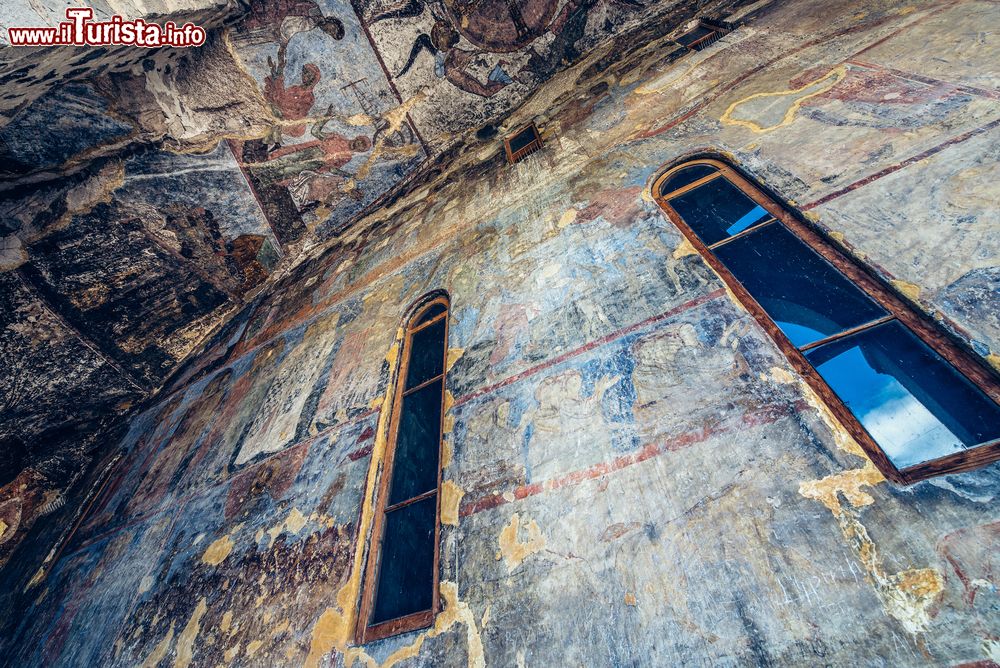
{"x": 522, "y": 143}
{"x": 702, "y": 35}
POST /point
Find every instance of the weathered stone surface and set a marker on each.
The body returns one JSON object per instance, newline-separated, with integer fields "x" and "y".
{"x": 636, "y": 476}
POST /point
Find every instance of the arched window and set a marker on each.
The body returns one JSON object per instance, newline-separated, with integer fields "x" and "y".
{"x": 918, "y": 403}
{"x": 401, "y": 581}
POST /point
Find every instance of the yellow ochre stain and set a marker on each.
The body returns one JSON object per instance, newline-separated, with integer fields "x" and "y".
{"x": 684, "y": 249}
{"x": 448, "y": 423}
{"x": 451, "y": 498}
{"x": 227, "y": 622}
{"x": 454, "y": 354}
{"x": 293, "y": 524}
{"x": 447, "y": 451}
{"x": 908, "y": 290}
{"x": 906, "y": 596}
{"x": 160, "y": 650}
{"x": 849, "y": 483}
{"x": 454, "y": 612}
{"x": 567, "y": 218}
{"x": 3, "y": 528}
{"x": 253, "y": 647}
{"x": 282, "y": 627}
{"x": 514, "y": 551}
{"x": 994, "y": 360}
{"x": 185, "y": 641}
{"x": 824, "y": 83}
{"x": 217, "y": 552}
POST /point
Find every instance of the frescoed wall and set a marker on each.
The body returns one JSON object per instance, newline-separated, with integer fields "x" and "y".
{"x": 633, "y": 473}
{"x": 339, "y": 137}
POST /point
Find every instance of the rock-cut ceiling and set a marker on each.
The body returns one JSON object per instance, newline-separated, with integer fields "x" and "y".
{"x": 145, "y": 196}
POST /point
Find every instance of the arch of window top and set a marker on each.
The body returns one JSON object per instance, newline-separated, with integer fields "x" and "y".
{"x": 873, "y": 345}
{"x": 404, "y": 596}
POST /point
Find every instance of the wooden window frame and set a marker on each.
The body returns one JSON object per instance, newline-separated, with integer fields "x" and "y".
{"x": 705, "y": 41}
{"x": 964, "y": 362}
{"x": 532, "y": 146}
{"x": 422, "y": 619}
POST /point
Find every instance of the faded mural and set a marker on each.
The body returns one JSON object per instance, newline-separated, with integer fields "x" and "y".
{"x": 340, "y": 137}
{"x": 618, "y": 430}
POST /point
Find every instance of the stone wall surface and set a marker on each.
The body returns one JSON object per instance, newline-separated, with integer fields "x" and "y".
{"x": 633, "y": 473}
{"x": 146, "y": 195}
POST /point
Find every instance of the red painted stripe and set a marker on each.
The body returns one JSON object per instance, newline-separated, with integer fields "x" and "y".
{"x": 905, "y": 163}
{"x": 929, "y": 81}
{"x": 690, "y": 304}
{"x": 765, "y": 415}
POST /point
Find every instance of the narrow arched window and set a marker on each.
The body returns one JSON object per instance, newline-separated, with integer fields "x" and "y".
{"x": 918, "y": 403}
{"x": 401, "y": 582}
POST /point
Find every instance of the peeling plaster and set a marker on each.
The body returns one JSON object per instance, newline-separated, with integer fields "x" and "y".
{"x": 512, "y": 549}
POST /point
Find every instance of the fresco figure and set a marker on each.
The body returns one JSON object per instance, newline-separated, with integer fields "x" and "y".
{"x": 565, "y": 418}
{"x": 280, "y": 20}
{"x": 452, "y": 62}
{"x": 283, "y": 20}
{"x": 498, "y": 26}
{"x": 312, "y": 170}
{"x": 290, "y": 103}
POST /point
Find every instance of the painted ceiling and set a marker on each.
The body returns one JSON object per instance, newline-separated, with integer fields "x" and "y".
{"x": 147, "y": 196}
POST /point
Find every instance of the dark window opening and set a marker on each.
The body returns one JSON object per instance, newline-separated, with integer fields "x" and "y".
{"x": 918, "y": 403}
{"x": 703, "y": 35}
{"x": 401, "y": 580}
{"x": 522, "y": 143}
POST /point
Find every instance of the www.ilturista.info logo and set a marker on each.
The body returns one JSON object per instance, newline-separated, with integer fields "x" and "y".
{"x": 80, "y": 30}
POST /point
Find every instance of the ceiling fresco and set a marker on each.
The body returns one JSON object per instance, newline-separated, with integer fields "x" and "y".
{"x": 147, "y": 197}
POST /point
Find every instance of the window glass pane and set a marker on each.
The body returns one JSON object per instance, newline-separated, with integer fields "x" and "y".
{"x": 914, "y": 404}
{"x": 415, "y": 462}
{"x": 521, "y": 139}
{"x": 426, "y": 354}
{"x": 686, "y": 176}
{"x": 431, "y": 313}
{"x": 406, "y": 573}
{"x": 806, "y": 296}
{"x": 717, "y": 210}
